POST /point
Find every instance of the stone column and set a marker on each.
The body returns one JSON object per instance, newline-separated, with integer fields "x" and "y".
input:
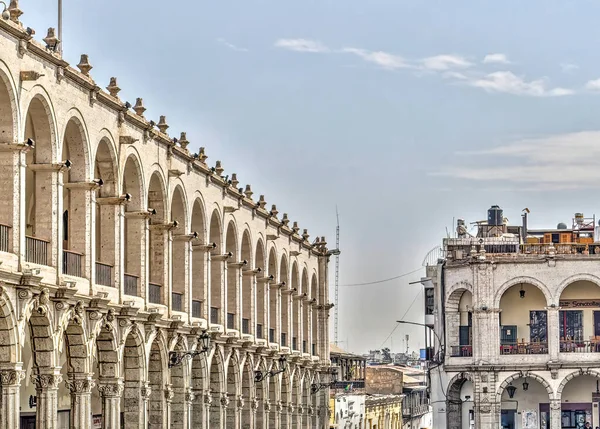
{"x": 252, "y": 424}
{"x": 46, "y": 387}
{"x": 144, "y": 399}
{"x": 169, "y": 395}
{"x": 80, "y": 386}
{"x": 110, "y": 392}
{"x": 553, "y": 334}
{"x": 10, "y": 381}
{"x": 207, "y": 404}
{"x": 188, "y": 401}
{"x": 555, "y": 414}
{"x": 239, "y": 406}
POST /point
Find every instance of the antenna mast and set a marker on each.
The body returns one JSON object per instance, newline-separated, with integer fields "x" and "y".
{"x": 337, "y": 276}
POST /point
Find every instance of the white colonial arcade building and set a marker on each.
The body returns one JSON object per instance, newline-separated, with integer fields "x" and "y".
{"x": 518, "y": 312}
{"x": 120, "y": 247}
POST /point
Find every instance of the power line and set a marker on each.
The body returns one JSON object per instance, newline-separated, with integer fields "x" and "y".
{"x": 402, "y": 318}
{"x": 382, "y": 281}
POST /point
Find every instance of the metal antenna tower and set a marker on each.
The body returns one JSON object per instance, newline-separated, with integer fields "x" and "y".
{"x": 337, "y": 276}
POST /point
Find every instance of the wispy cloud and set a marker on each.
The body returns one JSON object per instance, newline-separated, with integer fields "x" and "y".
{"x": 568, "y": 67}
{"x": 445, "y": 62}
{"x": 495, "y": 59}
{"x": 593, "y": 85}
{"x": 508, "y": 82}
{"x": 231, "y": 45}
{"x": 382, "y": 59}
{"x": 302, "y": 45}
{"x": 556, "y": 162}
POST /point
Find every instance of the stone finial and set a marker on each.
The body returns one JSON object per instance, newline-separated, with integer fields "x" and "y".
{"x": 202, "y": 155}
{"x": 162, "y": 124}
{"x": 139, "y": 107}
{"x": 234, "y": 180}
{"x": 113, "y": 88}
{"x": 84, "y": 65}
{"x": 295, "y": 227}
{"x": 248, "y": 192}
{"x": 51, "y": 40}
{"x": 285, "y": 220}
{"x": 261, "y": 202}
{"x": 219, "y": 168}
{"x": 305, "y": 235}
{"x": 183, "y": 141}
{"x": 274, "y": 210}
{"x": 14, "y": 10}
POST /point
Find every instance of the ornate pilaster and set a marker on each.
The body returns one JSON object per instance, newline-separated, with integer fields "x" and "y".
{"x": 555, "y": 414}
{"x": 111, "y": 391}
{"x": 46, "y": 387}
{"x": 81, "y": 396}
{"x": 10, "y": 382}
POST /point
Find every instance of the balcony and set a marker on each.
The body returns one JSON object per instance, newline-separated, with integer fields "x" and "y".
{"x": 259, "y": 331}
{"x": 177, "y": 301}
{"x": 570, "y": 346}
{"x": 245, "y": 326}
{"x": 72, "y": 262}
{"x": 36, "y": 250}
{"x": 197, "y": 309}
{"x": 4, "y": 237}
{"x": 524, "y": 349}
{"x": 154, "y": 293}
{"x": 104, "y": 274}
{"x": 461, "y": 351}
{"x": 130, "y": 284}
{"x": 230, "y": 321}
{"x": 214, "y": 315}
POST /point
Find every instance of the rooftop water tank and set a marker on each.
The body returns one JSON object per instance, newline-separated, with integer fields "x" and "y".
{"x": 561, "y": 226}
{"x": 495, "y": 216}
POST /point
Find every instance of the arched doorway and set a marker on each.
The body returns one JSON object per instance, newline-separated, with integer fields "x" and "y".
{"x": 106, "y": 400}
{"x": 160, "y": 391}
{"x": 273, "y": 293}
{"x": 136, "y": 392}
{"x": 459, "y": 313}
{"x": 295, "y": 312}
{"x": 217, "y": 391}
{"x": 459, "y": 403}
{"x": 275, "y": 405}
{"x": 233, "y": 276}
{"x": 262, "y": 293}
{"x": 306, "y": 322}
{"x": 262, "y": 398}
{"x": 179, "y": 405}
{"x": 579, "y": 327}
{"x": 285, "y": 302}
{"x": 314, "y": 288}
{"x": 285, "y": 399}
{"x": 248, "y": 394}
{"x": 525, "y": 397}
{"x": 199, "y": 388}
{"x": 248, "y": 300}
{"x": 233, "y": 410}
{"x": 181, "y": 252}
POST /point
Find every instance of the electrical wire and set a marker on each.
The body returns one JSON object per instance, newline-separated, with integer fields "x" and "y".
{"x": 384, "y": 280}
{"x": 402, "y": 318}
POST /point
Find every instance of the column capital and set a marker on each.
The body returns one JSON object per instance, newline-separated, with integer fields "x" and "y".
{"x": 111, "y": 389}
{"x": 189, "y": 396}
{"x": 224, "y": 400}
{"x": 555, "y": 404}
{"x": 267, "y": 405}
{"x": 80, "y": 385}
{"x": 145, "y": 391}
{"x": 169, "y": 394}
{"x": 11, "y": 377}
{"x": 254, "y": 405}
{"x": 46, "y": 381}
{"x": 239, "y": 403}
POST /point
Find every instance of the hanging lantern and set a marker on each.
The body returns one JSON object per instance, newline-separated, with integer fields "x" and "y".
{"x": 522, "y": 292}
{"x": 525, "y": 385}
{"x": 511, "y": 391}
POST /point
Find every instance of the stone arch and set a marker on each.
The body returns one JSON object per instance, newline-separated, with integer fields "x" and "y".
{"x": 296, "y": 395}
{"x": 107, "y": 352}
{"x": 134, "y": 226}
{"x": 285, "y": 297}
{"x": 572, "y": 375}
{"x": 455, "y": 292}
{"x": 248, "y": 394}
{"x": 40, "y": 125}
{"x": 453, "y": 400}
{"x": 9, "y": 122}
{"x": 133, "y": 369}
{"x": 158, "y": 381}
{"x": 525, "y": 280}
{"x": 180, "y": 249}
{"x": 231, "y": 246}
{"x": 295, "y": 304}
{"x": 304, "y": 305}
{"x": 262, "y": 290}
{"x": 314, "y": 291}
{"x": 286, "y": 398}
{"x": 199, "y": 386}
{"x": 198, "y": 266}
{"x": 157, "y": 263}
{"x": 518, "y": 375}
{"x": 572, "y": 279}
{"x": 217, "y": 389}
{"x": 75, "y": 146}
{"x": 133, "y": 182}
{"x": 217, "y": 303}
{"x": 247, "y": 303}
{"x": 10, "y": 352}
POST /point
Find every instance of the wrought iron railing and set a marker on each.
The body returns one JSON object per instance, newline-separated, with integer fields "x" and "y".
{"x": 570, "y": 346}
{"x": 130, "y": 285}
{"x": 524, "y": 349}
{"x": 230, "y": 321}
{"x": 36, "y": 250}
{"x": 196, "y": 308}
{"x": 259, "y": 331}
{"x": 4, "y": 237}
{"x": 294, "y": 343}
{"x": 214, "y": 315}
{"x": 177, "y": 301}
{"x": 104, "y": 274}
{"x": 72, "y": 262}
{"x": 271, "y": 335}
{"x": 461, "y": 351}
{"x": 245, "y": 326}
{"x": 154, "y": 293}
{"x": 284, "y": 339}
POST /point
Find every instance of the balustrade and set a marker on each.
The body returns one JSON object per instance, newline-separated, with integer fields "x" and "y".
{"x": 131, "y": 284}
{"x": 104, "y": 274}
{"x": 154, "y": 293}
{"x": 4, "y": 237}
{"x": 72, "y": 262}
{"x": 36, "y": 250}
{"x": 177, "y": 301}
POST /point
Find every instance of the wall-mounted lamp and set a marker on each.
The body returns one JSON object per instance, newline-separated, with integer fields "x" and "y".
{"x": 522, "y": 292}
{"x": 511, "y": 391}
{"x": 176, "y": 358}
{"x": 525, "y": 386}
{"x": 282, "y": 366}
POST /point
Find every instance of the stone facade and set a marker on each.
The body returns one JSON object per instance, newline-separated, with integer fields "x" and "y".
{"x": 119, "y": 247}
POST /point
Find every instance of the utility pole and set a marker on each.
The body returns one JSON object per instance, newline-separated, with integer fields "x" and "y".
{"x": 337, "y": 276}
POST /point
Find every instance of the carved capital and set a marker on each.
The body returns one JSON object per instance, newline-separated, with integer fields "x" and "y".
{"x": 240, "y": 402}
{"x": 224, "y": 400}
{"x": 207, "y": 398}
{"x": 290, "y": 408}
{"x": 46, "y": 381}
{"x": 555, "y": 404}
{"x": 267, "y": 406}
{"x": 11, "y": 377}
{"x": 279, "y": 407}
{"x": 189, "y": 396}
{"x": 145, "y": 392}
{"x": 169, "y": 394}
{"x": 112, "y": 390}
{"x": 254, "y": 404}
{"x": 80, "y": 385}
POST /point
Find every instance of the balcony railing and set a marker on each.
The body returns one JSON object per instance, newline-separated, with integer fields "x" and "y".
{"x": 4, "y": 237}
{"x": 284, "y": 339}
{"x": 415, "y": 411}
{"x": 72, "y": 262}
{"x": 245, "y": 326}
{"x": 104, "y": 274}
{"x": 154, "y": 293}
{"x": 354, "y": 384}
{"x": 294, "y": 343}
{"x": 314, "y": 349}
{"x": 461, "y": 351}
{"x": 259, "y": 331}
{"x": 570, "y": 346}
{"x": 177, "y": 301}
{"x": 196, "y": 308}
{"x": 524, "y": 349}
{"x": 230, "y": 321}
{"x": 36, "y": 250}
{"x": 304, "y": 347}
{"x": 130, "y": 285}
{"x": 214, "y": 315}
{"x": 271, "y": 335}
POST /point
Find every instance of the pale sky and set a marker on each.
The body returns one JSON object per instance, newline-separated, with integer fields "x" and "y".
{"x": 404, "y": 113}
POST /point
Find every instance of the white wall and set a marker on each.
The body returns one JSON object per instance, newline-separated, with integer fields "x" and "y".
{"x": 345, "y": 405}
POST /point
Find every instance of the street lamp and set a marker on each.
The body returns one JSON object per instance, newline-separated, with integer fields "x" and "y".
{"x": 441, "y": 352}
{"x": 5, "y": 12}
{"x": 260, "y": 376}
{"x": 176, "y": 358}
{"x": 329, "y": 378}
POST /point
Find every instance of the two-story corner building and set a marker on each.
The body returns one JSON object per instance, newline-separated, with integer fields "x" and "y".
{"x": 518, "y": 314}
{"x": 122, "y": 253}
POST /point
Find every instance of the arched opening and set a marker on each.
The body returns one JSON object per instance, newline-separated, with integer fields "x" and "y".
{"x": 76, "y": 225}
{"x": 285, "y": 399}
{"x": 304, "y": 305}
{"x": 107, "y": 362}
{"x": 525, "y": 399}
{"x": 216, "y": 270}
{"x": 217, "y": 381}
{"x": 247, "y": 303}
{"x": 285, "y": 302}
{"x": 295, "y": 401}
{"x": 523, "y": 320}
{"x": 262, "y": 292}
{"x": 179, "y": 411}
{"x": 274, "y": 383}
{"x": 579, "y": 399}
{"x": 273, "y": 297}
{"x": 8, "y": 161}
{"x": 181, "y": 252}
{"x": 233, "y": 277}
{"x": 305, "y": 401}
{"x": 157, "y": 407}
{"x": 316, "y": 401}
{"x": 133, "y": 401}
{"x": 459, "y": 404}
{"x": 459, "y": 313}
{"x": 199, "y": 388}
{"x": 199, "y": 294}
{"x": 314, "y": 287}
{"x": 41, "y": 190}
{"x": 295, "y": 303}
{"x": 107, "y": 212}
{"x": 579, "y": 325}
{"x": 157, "y": 257}
{"x": 262, "y": 398}
{"x": 233, "y": 392}
{"x": 134, "y": 229}
{"x": 247, "y": 394}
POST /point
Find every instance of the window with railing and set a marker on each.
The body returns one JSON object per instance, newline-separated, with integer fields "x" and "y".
{"x": 104, "y": 274}
{"x": 538, "y": 326}
{"x": 245, "y": 326}
{"x": 154, "y": 293}
{"x": 177, "y": 301}
{"x": 130, "y": 284}
{"x": 259, "y": 331}
{"x": 294, "y": 343}
{"x": 196, "y": 308}
{"x": 72, "y": 262}
{"x": 271, "y": 335}
{"x": 284, "y": 339}
{"x": 214, "y": 315}
{"x": 230, "y": 321}
{"x": 571, "y": 325}
{"x": 304, "y": 347}
{"x": 36, "y": 250}
{"x": 4, "y": 237}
